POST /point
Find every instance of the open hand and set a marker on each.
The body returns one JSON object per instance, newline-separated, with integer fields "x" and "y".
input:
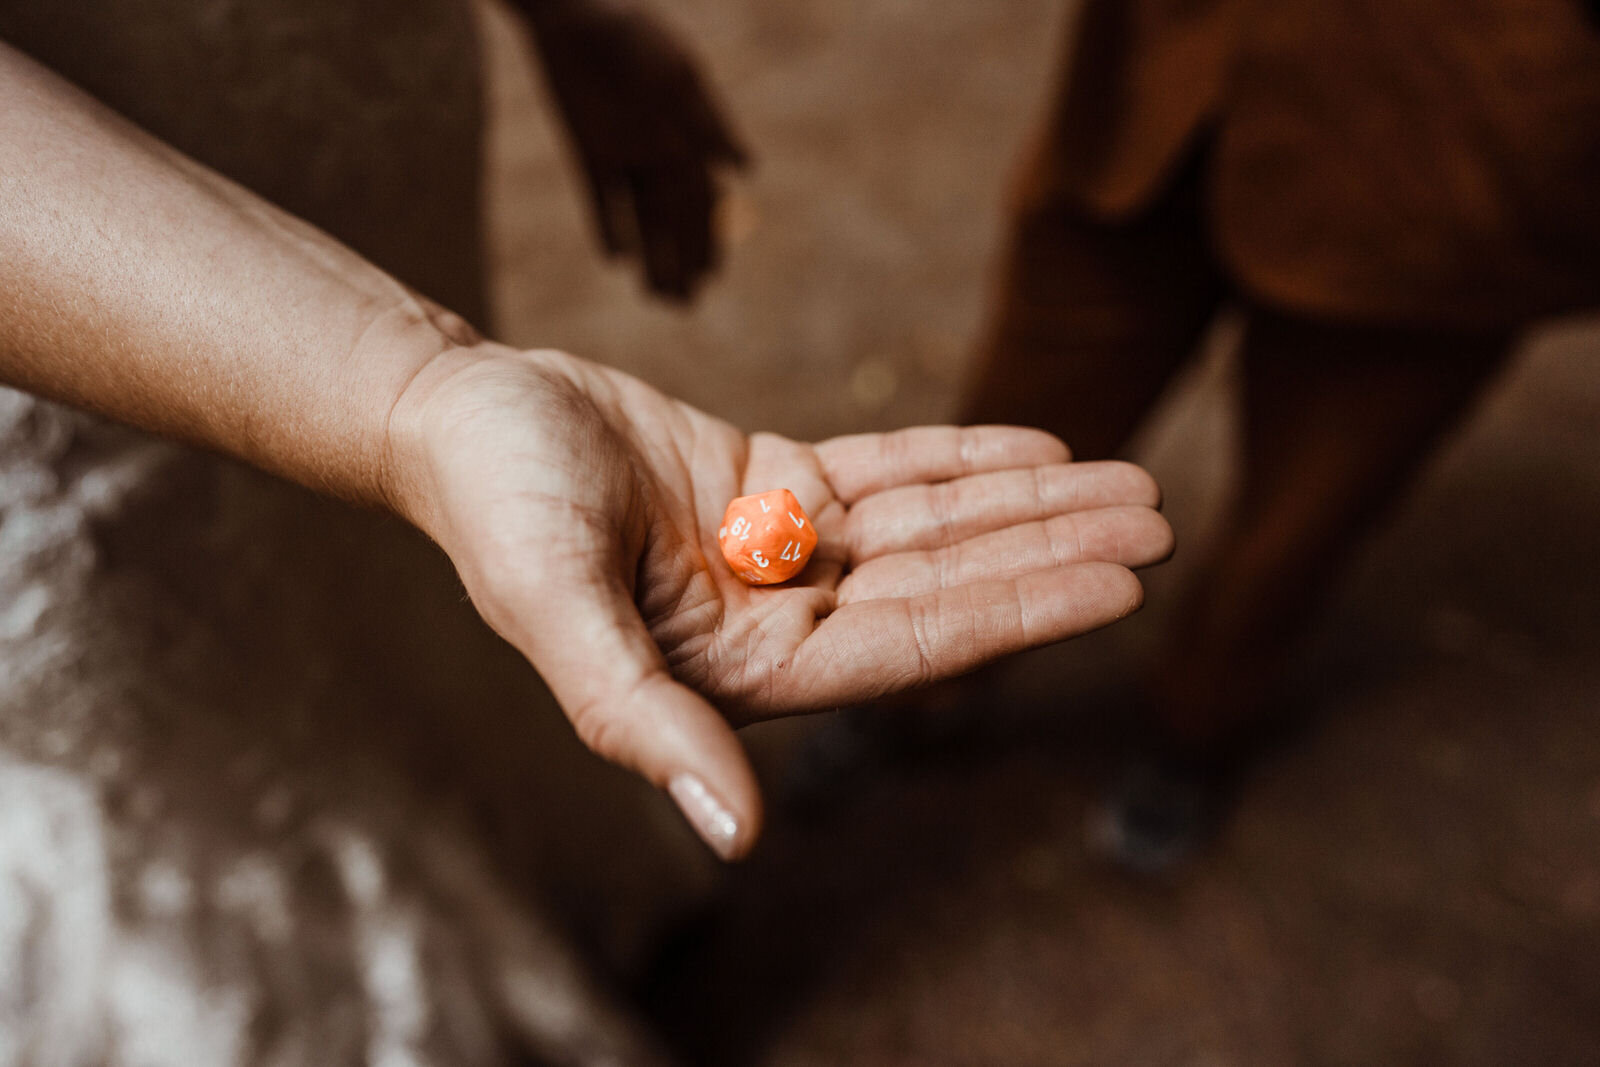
{"x": 646, "y": 131}
{"x": 581, "y": 508}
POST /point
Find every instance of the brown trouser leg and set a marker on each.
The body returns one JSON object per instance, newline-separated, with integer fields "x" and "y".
{"x": 1091, "y": 320}
{"x": 1337, "y": 420}
{"x": 1090, "y": 323}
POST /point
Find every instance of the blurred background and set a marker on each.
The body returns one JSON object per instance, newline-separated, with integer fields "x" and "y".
{"x": 1414, "y": 877}
{"x": 270, "y": 793}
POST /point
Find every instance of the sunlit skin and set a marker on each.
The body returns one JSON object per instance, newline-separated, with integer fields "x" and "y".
{"x": 587, "y": 537}
{"x": 579, "y": 505}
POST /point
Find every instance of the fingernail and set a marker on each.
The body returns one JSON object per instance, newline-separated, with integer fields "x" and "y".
{"x": 714, "y": 823}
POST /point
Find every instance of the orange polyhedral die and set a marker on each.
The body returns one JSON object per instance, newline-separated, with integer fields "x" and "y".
{"x": 767, "y": 538}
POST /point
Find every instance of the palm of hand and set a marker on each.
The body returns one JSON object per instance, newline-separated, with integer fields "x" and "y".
{"x": 581, "y": 508}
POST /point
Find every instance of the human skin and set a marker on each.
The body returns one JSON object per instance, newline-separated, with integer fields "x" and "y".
{"x": 579, "y": 505}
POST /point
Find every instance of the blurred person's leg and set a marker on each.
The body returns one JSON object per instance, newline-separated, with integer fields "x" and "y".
{"x": 1091, "y": 319}
{"x": 1089, "y": 323}
{"x": 1337, "y": 419}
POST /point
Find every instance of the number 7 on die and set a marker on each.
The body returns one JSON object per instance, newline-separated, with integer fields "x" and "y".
{"x": 767, "y": 538}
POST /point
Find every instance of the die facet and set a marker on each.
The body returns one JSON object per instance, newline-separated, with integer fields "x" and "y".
{"x": 767, "y": 538}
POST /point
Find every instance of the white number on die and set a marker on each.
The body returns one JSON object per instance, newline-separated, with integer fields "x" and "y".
{"x": 791, "y": 551}
{"x": 760, "y": 560}
{"x": 740, "y": 527}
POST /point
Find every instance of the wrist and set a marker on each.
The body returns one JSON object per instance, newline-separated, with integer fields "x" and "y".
{"x": 404, "y": 344}
{"x": 435, "y": 406}
{"x": 404, "y": 481}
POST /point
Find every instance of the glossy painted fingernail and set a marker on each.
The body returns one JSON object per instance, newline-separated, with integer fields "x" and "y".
{"x": 714, "y": 823}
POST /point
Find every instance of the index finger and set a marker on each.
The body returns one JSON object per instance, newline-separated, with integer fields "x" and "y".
{"x": 859, "y": 465}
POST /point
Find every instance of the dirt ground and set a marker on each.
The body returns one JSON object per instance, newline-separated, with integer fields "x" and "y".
{"x": 1414, "y": 878}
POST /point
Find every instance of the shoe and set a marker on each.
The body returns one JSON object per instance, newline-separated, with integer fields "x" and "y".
{"x": 1160, "y": 814}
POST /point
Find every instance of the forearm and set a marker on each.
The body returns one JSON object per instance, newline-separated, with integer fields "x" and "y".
{"x": 136, "y": 283}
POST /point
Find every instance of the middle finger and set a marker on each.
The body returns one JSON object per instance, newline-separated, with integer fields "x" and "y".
{"x": 1130, "y": 535}
{"x": 918, "y": 517}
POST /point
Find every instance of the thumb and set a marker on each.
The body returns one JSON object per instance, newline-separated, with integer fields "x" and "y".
{"x": 587, "y": 640}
